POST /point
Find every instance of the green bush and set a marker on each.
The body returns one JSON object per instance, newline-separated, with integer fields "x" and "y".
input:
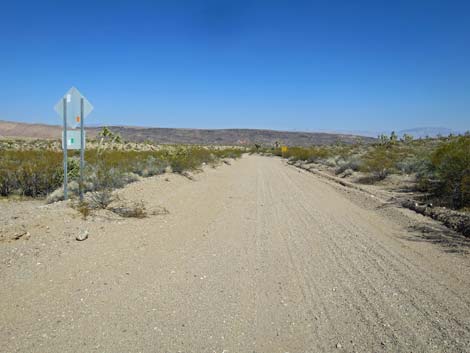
{"x": 353, "y": 163}
{"x": 29, "y": 173}
{"x": 189, "y": 158}
{"x": 150, "y": 166}
{"x": 37, "y": 173}
{"x": 451, "y": 166}
{"x": 311, "y": 154}
{"x": 380, "y": 161}
{"x": 228, "y": 153}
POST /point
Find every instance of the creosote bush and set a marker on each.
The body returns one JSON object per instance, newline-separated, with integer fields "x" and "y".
{"x": 311, "y": 154}
{"x": 380, "y": 161}
{"x": 37, "y": 173}
{"x": 450, "y": 163}
{"x": 29, "y": 173}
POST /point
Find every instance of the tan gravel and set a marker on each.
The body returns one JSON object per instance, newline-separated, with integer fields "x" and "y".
{"x": 253, "y": 257}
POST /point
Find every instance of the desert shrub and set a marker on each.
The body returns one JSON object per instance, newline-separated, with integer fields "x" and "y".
{"x": 130, "y": 177}
{"x": 73, "y": 168}
{"x": 353, "y": 163}
{"x": 39, "y": 172}
{"x": 415, "y": 160}
{"x": 441, "y": 165}
{"x": 318, "y": 153}
{"x": 150, "y": 166}
{"x": 180, "y": 162}
{"x": 103, "y": 176}
{"x": 380, "y": 161}
{"x": 37, "y": 177}
{"x": 408, "y": 165}
{"x": 276, "y": 151}
{"x": 228, "y": 153}
{"x": 311, "y": 154}
{"x": 297, "y": 154}
{"x": 189, "y": 158}
{"x": 29, "y": 173}
{"x": 100, "y": 199}
{"x": 331, "y": 161}
{"x": 7, "y": 179}
{"x": 451, "y": 166}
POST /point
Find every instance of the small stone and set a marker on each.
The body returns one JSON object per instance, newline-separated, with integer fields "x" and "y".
{"x": 338, "y": 345}
{"x": 83, "y": 235}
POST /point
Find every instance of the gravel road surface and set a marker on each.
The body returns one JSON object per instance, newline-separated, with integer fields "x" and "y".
{"x": 253, "y": 257}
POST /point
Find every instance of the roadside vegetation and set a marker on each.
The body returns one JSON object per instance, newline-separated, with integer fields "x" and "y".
{"x": 438, "y": 167}
{"x": 35, "y": 169}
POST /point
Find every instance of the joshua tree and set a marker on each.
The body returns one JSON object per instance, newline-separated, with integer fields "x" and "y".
{"x": 107, "y": 135}
{"x": 407, "y": 138}
{"x": 383, "y": 139}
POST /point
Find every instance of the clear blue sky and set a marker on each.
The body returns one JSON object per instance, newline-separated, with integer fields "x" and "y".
{"x": 337, "y": 65}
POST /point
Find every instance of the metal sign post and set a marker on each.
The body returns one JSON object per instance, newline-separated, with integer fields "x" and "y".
{"x": 74, "y": 108}
{"x": 64, "y": 147}
{"x": 82, "y": 150}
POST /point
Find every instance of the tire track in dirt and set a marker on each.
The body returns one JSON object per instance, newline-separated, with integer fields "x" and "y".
{"x": 310, "y": 297}
{"x": 256, "y": 257}
{"x": 298, "y": 216}
{"x": 419, "y": 309}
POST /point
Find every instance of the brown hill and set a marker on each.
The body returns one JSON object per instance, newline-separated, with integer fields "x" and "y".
{"x": 24, "y": 130}
{"x": 185, "y": 136}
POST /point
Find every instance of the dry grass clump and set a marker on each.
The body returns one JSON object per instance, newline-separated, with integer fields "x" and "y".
{"x": 100, "y": 199}
{"x": 134, "y": 209}
{"x": 84, "y": 208}
{"x": 125, "y": 209}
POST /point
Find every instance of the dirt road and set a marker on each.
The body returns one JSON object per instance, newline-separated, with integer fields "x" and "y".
{"x": 253, "y": 257}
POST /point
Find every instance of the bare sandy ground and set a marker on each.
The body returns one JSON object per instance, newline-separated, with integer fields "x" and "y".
{"x": 253, "y": 257}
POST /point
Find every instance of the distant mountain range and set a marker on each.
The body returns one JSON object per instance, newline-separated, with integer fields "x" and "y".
{"x": 187, "y": 136}
{"x": 419, "y": 132}
{"x": 217, "y": 136}
{"x": 428, "y": 131}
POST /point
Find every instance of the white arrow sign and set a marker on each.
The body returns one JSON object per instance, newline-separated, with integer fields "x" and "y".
{"x": 72, "y": 102}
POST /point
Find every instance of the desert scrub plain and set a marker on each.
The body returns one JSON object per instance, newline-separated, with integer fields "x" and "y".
{"x": 430, "y": 176}
{"x": 34, "y": 168}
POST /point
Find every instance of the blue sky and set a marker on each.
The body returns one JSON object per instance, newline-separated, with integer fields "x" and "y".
{"x": 316, "y": 65}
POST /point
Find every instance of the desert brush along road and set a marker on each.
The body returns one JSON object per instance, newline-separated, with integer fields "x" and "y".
{"x": 256, "y": 256}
